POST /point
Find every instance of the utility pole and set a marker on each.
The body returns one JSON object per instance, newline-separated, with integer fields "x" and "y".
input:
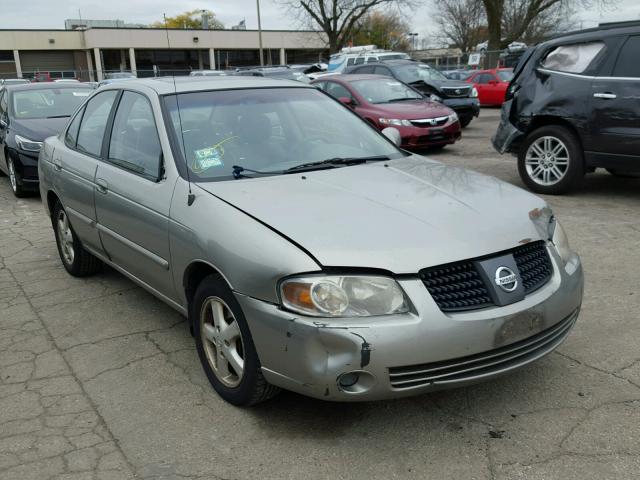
{"x": 260, "y": 33}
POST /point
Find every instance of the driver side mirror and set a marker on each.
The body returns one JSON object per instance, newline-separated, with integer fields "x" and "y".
{"x": 4, "y": 121}
{"x": 347, "y": 101}
{"x": 393, "y": 134}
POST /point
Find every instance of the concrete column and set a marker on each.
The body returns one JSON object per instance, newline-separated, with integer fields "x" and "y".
{"x": 98, "y": 60}
{"x": 132, "y": 61}
{"x": 123, "y": 60}
{"x": 16, "y": 58}
{"x": 283, "y": 57}
{"x": 212, "y": 59}
{"x": 92, "y": 77}
{"x": 200, "y": 64}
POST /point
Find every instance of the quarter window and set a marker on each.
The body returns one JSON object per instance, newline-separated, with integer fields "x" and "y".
{"x": 627, "y": 64}
{"x": 359, "y": 61}
{"x": 94, "y": 122}
{"x": 134, "y": 141}
{"x": 574, "y": 58}
{"x": 71, "y": 136}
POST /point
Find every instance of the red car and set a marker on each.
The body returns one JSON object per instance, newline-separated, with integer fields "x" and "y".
{"x": 491, "y": 85}
{"x": 385, "y": 102}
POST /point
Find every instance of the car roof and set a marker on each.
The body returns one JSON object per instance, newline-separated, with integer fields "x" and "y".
{"x": 169, "y": 85}
{"x": 47, "y": 86}
{"x": 604, "y": 30}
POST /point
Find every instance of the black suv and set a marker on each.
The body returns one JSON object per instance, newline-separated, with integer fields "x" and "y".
{"x": 574, "y": 105}
{"x": 461, "y": 97}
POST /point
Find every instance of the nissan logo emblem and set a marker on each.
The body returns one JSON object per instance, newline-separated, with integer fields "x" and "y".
{"x": 506, "y": 279}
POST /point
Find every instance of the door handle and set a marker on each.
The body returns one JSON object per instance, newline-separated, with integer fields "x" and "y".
{"x": 57, "y": 164}
{"x": 606, "y": 96}
{"x": 102, "y": 186}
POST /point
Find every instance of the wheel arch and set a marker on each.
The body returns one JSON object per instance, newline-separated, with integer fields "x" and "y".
{"x": 193, "y": 275}
{"x": 52, "y": 198}
{"x": 551, "y": 120}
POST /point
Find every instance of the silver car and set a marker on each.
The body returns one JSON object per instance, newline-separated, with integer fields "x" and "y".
{"x": 306, "y": 249}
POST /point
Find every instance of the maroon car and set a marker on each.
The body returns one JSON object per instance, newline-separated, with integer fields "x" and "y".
{"x": 385, "y": 102}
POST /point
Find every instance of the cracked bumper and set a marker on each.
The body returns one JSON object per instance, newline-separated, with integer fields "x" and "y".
{"x": 507, "y": 137}
{"x": 307, "y": 355}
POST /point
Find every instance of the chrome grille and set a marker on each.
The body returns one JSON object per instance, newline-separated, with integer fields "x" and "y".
{"x": 455, "y": 92}
{"x": 458, "y": 286}
{"x": 429, "y": 122}
{"x": 482, "y": 364}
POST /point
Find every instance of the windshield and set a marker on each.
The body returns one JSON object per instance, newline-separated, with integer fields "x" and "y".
{"x": 49, "y": 102}
{"x": 267, "y": 129}
{"x": 384, "y": 91}
{"x": 416, "y": 72}
{"x": 505, "y": 75}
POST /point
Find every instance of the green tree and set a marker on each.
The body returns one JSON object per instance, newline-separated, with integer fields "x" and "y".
{"x": 386, "y": 30}
{"x": 192, "y": 19}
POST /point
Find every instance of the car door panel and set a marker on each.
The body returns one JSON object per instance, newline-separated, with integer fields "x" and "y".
{"x": 4, "y": 129}
{"x": 615, "y": 117}
{"x": 132, "y": 198}
{"x": 132, "y": 214}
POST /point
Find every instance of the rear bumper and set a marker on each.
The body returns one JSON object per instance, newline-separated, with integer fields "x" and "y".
{"x": 417, "y": 352}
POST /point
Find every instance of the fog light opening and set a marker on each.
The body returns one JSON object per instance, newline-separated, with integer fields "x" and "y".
{"x": 357, "y": 381}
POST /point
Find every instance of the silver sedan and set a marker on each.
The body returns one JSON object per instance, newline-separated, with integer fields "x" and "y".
{"x": 306, "y": 249}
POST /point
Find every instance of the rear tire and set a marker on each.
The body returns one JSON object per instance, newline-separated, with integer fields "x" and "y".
{"x": 229, "y": 359}
{"x": 76, "y": 260}
{"x": 551, "y": 161}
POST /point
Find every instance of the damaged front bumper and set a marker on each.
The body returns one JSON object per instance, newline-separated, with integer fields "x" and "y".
{"x": 507, "y": 137}
{"x": 425, "y": 350}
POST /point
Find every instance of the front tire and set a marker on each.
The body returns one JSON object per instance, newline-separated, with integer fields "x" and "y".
{"x": 225, "y": 345}
{"x": 76, "y": 260}
{"x": 15, "y": 180}
{"x": 465, "y": 121}
{"x": 551, "y": 161}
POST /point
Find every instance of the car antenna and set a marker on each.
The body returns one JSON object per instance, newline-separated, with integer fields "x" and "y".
{"x": 191, "y": 196}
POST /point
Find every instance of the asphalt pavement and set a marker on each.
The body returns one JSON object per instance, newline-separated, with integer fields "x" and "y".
{"x": 99, "y": 380}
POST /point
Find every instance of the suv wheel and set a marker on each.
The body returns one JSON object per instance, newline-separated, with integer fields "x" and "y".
{"x": 225, "y": 346}
{"x": 551, "y": 160}
{"x": 76, "y": 260}
{"x": 465, "y": 121}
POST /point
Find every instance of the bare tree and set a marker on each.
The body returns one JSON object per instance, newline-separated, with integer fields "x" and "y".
{"x": 531, "y": 9}
{"x": 558, "y": 18}
{"x": 461, "y": 22}
{"x": 337, "y": 18}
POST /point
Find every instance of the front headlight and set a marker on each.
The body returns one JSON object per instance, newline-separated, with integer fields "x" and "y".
{"x": 474, "y": 92}
{"x": 560, "y": 240}
{"x": 453, "y": 117}
{"x": 435, "y": 98}
{"x": 343, "y": 296}
{"x": 28, "y": 145}
{"x": 395, "y": 121}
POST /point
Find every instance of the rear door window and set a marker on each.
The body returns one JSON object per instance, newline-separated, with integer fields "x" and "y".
{"x": 359, "y": 61}
{"x": 575, "y": 58}
{"x": 628, "y": 63}
{"x": 94, "y": 122}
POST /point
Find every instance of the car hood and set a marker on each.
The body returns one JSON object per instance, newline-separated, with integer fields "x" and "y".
{"x": 412, "y": 110}
{"x": 38, "y": 129}
{"x": 412, "y": 214}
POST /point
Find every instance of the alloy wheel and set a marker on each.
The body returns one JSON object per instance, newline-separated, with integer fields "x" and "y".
{"x": 547, "y": 160}
{"x": 222, "y": 341}
{"x": 65, "y": 236}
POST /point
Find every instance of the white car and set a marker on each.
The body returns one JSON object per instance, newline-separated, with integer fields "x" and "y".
{"x": 350, "y": 56}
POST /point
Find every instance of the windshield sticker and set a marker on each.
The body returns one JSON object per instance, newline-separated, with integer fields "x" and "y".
{"x": 80, "y": 94}
{"x": 393, "y": 84}
{"x": 209, "y": 157}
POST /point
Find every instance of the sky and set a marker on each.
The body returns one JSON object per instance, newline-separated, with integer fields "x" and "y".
{"x": 52, "y": 13}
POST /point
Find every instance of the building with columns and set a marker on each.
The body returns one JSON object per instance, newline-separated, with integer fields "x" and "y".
{"x": 91, "y": 53}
